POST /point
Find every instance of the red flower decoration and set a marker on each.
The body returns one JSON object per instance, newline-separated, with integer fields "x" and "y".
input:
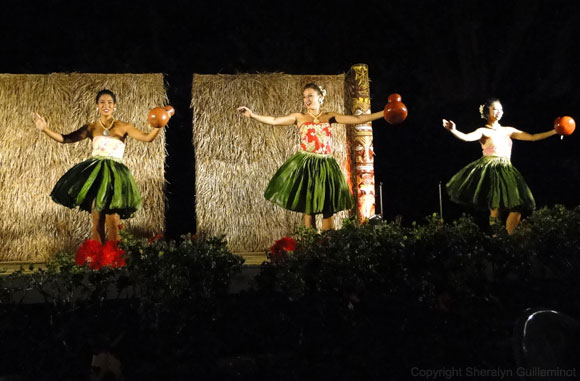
{"x": 281, "y": 248}
{"x": 155, "y": 238}
{"x": 112, "y": 255}
{"x": 97, "y": 256}
{"x": 89, "y": 253}
{"x": 287, "y": 243}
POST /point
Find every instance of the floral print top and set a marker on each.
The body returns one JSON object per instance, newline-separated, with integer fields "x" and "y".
{"x": 316, "y": 137}
{"x": 106, "y": 146}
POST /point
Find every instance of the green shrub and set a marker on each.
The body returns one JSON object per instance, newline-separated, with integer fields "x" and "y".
{"x": 188, "y": 274}
{"x": 451, "y": 291}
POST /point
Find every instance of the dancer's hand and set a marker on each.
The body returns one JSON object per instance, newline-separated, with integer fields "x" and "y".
{"x": 449, "y": 124}
{"x": 39, "y": 121}
{"x": 245, "y": 111}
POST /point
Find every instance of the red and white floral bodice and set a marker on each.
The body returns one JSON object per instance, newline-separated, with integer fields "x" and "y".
{"x": 316, "y": 137}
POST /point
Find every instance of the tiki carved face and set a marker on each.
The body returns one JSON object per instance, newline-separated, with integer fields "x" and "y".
{"x": 367, "y": 183}
{"x": 363, "y": 148}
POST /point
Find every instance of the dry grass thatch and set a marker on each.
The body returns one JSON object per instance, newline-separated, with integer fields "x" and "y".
{"x": 32, "y": 226}
{"x": 235, "y": 157}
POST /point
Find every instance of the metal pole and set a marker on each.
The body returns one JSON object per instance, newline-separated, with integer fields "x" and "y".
{"x": 381, "y": 197}
{"x": 440, "y": 202}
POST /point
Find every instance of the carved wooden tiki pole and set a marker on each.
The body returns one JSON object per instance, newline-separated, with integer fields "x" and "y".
{"x": 358, "y": 90}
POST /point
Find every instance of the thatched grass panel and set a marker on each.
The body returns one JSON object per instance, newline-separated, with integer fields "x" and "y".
{"x": 236, "y": 157}
{"x": 32, "y": 226}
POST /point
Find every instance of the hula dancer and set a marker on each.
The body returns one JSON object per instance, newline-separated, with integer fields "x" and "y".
{"x": 492, "y": 182}
{"x": 101, "y": 185}
{"x": 311, "y": 181}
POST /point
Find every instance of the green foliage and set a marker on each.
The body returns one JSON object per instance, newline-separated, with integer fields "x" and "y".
{"x": 426, "y": 259}
{"x": 181, "y": 273}
{"x": 366, "y": 301}
{"x": 430, "y": 283}
{"x": 158, "y": 272}
{"x": 385, "y": 260}
{"x": 162, "y": 299}
{"x": 550, "y": 240}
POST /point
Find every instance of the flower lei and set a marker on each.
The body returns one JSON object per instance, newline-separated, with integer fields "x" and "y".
{"x": 322, "y": 94}
{"x": 481, "y": 112}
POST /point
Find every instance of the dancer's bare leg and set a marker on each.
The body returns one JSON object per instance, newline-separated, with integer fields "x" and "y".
{"x": 328, "y": 223}
{"x": 112, "y": 222}
{"x": 310, "y": 221}
{"x": 493, "y": 216}
{"x": 512, "y": 222}
{"x": 98, "y": 228}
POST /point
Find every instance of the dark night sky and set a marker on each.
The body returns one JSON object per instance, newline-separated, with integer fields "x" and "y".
{"x": 443, "y": 57}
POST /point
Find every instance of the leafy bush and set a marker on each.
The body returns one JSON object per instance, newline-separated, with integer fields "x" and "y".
{"x": 449, "y": 291}
{"x": 189, "y": 275}
{"x": 367, "y": 301}
{"x": 54, "y": 319}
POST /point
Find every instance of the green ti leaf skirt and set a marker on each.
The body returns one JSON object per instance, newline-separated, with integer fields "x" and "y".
{"x": 309, "y": 183}
{"x": 491, "y": 182}
{"x": 99, "y": 183}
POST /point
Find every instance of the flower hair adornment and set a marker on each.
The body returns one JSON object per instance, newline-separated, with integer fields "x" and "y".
{"x": 481, "y": 112}
{"x": 322, "y": 94}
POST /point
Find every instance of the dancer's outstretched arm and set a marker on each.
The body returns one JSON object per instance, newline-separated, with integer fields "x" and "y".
{"x": 470, "y": 137}
{"x": 137, "y": 134}
{"x": 286, "y": 120}
{"x": 75, "y": 136}
{"x": 356, "y": 119}
{"x": 522, "y": 135}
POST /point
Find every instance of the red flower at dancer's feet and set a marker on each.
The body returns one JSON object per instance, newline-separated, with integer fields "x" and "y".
{"x": 112, "y": 256}
{"x": 89, "y": 253}
{"x": 281, "y": 247}
{"x": 155, "y": 238}
{"x": 97, "y": 256}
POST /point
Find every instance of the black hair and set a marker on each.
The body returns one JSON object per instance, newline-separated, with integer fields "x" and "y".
{"x": 484, "y": 109}
{"x": 314, "y": 86}
{"x": 105, "y": 92}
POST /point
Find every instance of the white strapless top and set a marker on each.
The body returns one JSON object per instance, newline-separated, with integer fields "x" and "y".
{"x": 499, "y": 144}
{"x": 107, "y": 146}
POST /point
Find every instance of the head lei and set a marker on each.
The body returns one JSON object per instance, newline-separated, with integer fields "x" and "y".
{"x": 483, "y": 109}
{"x": 319, "y": 89}
{"x": 322, "y": 94}
{"x": 482, "y": 112}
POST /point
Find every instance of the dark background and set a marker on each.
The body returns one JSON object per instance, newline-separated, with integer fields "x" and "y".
{"x": 444, "y": 57}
